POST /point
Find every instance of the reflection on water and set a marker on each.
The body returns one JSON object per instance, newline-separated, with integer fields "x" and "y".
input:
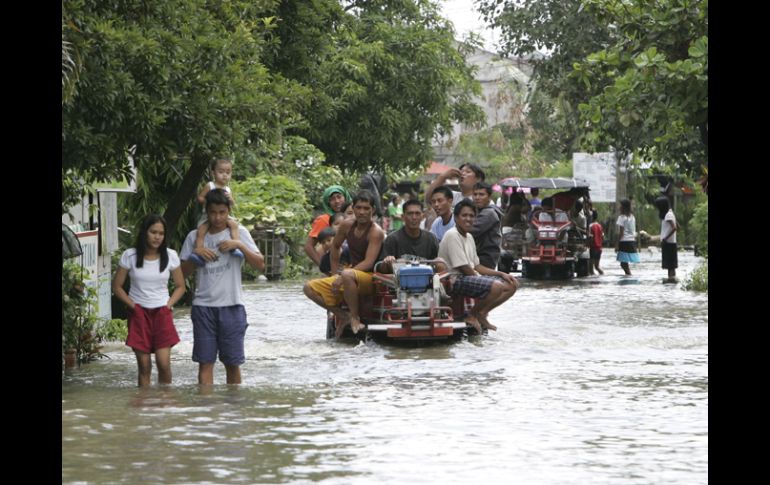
{"x": 587, "y": 381}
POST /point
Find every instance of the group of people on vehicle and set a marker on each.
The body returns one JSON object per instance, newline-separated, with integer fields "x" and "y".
{"x": 450, "y": 244}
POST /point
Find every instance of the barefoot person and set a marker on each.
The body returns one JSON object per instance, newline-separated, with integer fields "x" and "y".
{"x": 364, "y": 238}
{"x": 467, "y": 276}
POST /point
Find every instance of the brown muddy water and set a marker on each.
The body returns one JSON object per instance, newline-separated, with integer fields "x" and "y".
{"x": 599, "y": 380}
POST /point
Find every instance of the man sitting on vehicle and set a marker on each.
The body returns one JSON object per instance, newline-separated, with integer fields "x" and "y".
{"x": 410, "y": 240}
{"x": 441, "y": 200}
{"x": 486, "y": 226}
{"x": 491, "y": 288}
{"x": 364, "y": 238}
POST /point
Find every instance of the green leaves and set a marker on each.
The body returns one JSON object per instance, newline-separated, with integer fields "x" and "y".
{"x": 273, "y": 200}
{"x": 172, "y": 78}
{"x": 636, "y": 70}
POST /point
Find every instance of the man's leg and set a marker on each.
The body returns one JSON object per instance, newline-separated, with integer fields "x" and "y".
{"x": 233, "y": 374}
{"x": 206, "y": 373}
{"x": 315, "y": 297}
{"x": 310, "y": 290}
{"x": 499, "y": 292}
{"x": 204, "y": 320}
{"x": 482, "y": 307}
{"x": 233, "y": 324}
{"x": 350, "y": 295}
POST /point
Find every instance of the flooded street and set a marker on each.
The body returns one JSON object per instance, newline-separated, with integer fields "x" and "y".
{"x": 592, "y": 381}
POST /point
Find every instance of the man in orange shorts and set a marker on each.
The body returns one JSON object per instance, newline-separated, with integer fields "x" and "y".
{"x": 364, "y": 238}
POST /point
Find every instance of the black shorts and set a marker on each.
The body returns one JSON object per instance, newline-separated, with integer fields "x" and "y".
{"x": 595, "y": 253}
{"x": 627, "y": 246}
{"x": 668, "y": 250}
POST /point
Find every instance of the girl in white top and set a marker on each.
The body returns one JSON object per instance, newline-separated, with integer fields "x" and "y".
{"x": 626, "y": 240}
{"x": 150, "y": 319}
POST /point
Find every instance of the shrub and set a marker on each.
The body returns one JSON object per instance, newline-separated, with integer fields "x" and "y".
{"x": 698, "y": 280}
{"x": 78, "y": 319}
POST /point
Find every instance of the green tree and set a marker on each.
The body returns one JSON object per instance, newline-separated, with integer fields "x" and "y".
{"x": 568, "y": 33}
{"x": 177, "y": 81}
{"x": 655, "y": 73}
{"x": 630, "y": 74}
{"x": 386, "y": 77}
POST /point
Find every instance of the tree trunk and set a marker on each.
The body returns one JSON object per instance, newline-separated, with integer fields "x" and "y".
{"x": 186, "y": 192}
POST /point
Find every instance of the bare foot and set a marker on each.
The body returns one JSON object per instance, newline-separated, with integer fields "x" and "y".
{"x": 356, "y": 325}
{"x": 484, "y": 322}
{"x": 473, "y": 322}
{"x": 600, "y": 271}
{"x": 339, "y": 329}
{"x": 342, "y": 321}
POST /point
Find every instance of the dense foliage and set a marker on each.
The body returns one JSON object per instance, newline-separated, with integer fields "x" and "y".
{"x": 631, "y": 75}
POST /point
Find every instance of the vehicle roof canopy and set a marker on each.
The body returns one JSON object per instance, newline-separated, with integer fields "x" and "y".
{"x": 546, "y": 183}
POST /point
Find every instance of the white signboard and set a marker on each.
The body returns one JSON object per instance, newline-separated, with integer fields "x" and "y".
{"x": 598, "y": 169}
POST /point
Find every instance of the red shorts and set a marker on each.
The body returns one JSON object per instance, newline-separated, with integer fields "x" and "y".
{"x": 151, "y": 329}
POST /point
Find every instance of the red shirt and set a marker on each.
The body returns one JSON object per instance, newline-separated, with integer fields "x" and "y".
{"x": 319, "y": 224}
{"x": 596, "y": 235}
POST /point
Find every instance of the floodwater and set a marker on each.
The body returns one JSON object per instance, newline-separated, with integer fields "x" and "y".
{"x": 600, "y": 380}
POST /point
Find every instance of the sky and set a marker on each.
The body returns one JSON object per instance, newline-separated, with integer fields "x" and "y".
{"x": 466, "y": 18}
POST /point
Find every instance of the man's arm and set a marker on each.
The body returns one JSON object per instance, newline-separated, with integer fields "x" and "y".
{"x": 339, "y": 238}
{"x": 188, "y": 268}
{"x": 466, "y": 270}
{"x": 390, "y": 246}
{"x": 483, "y": 222}
{"x": 439, "y": 181}
{"x": 311, "y": 252}
{"x": 376, "y": 236}
{"x": 254, "y": 258}
{"x": 491, "y": 272}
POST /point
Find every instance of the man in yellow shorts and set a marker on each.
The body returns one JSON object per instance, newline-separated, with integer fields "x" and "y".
{"x": 364, "y": 238}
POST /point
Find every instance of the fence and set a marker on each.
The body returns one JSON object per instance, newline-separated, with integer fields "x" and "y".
{"x": 274, "y": 248}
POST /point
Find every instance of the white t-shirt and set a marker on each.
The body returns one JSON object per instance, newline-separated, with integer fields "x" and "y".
{"x": 666, "y": 228}
{"x": 628, "y": 226}
{"x": 457, "y": 197}
{"x": 226, "y": 188}
{"x": 458, "y": 251}
{"x": 149, "y": 287}
{"x": 218, "y": 283}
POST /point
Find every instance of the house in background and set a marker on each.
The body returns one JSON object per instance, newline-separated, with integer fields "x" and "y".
{"x": 504, "y": 85}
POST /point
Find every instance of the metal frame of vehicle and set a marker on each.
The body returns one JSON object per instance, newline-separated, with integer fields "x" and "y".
{"x": 405, "y": 307}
